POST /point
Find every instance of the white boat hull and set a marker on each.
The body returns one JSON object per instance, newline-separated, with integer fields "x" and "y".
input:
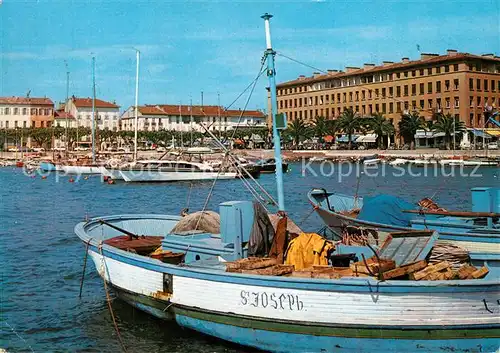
{"x": 157, "y": 176}
{"x": 111, "y": 173}
{"x": 80, "y": 169}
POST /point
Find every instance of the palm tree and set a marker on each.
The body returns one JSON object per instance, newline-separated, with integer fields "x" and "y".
{"x": 380, "y": 126}
{"x": 449, "y": 125}
{"x": 350, "y": 122}
{"x": 320, "y": 128}
{"x": 408, "y": 126}
{"x": 298, "y": 130}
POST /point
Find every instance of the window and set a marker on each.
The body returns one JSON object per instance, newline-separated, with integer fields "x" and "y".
{"x": 421, "y": 72}
{"x": 25, "y": 111}
{"x": 478, "y": 101}
{"x": 15, "y": 123}
{"x": 362, "y": 95}
{"x": 421, "y": 88}
{"x": 455, "y": 67}
{"x": 429, "y": 103}
{"x": 414, "y": 73}
{"x": 398, "y": 107}
{"x": 24, "y": 124}
{"x": 281, "y": 104}
{"x": 457, "y": 102}
{"x": 447, "y": 85}
{"x": 286, "y": 104}
{"x": 471, "y": 67}
{"x": 350, "y": 96}
{"x": 338, "y": 97}
{"x": 391, "y": 90}
{"x": 438, "y": 87}
{"x": 471, "y": 119}
{"x": 471, "y": 84}
{"x": 429, "y": 71}
{"x": 7, "y": 123}
{"x": 406, "y": 105}
{"x": 376, "y": 92}
{"x": 455, "y": 84}
{"x": 316, "y": 100}
{"x": 406, "y": 90}
{"x": 486, "y": 85}
{"x": 478, "y": 84}
{"x": 391, "y": 107}
{"x": 357, "y": 96}
{"x": 383, "y": 108}
{"x": 345, "y": 98}
{"x": 406, "y": 73}
{"x": 413, "y": 105}
{"x": 413, "y": 89}
{"x": 421, "y": 104}
{"x": 438, "y": 103}
{"x": 383, "y": 92}
{"x": 471, "y": 102}
{"x": 493, "y": 85}
{"x": 429, "y": 87}
{"x": 369, "y": 94}
{"x": 398, "y": 74}
{"x": 447, "y": 103}
{"x": 16, "y": 111}
{"x": 438, "y": 69}
{"x": 7, "y": 111}
{"x": 447, "y": 68}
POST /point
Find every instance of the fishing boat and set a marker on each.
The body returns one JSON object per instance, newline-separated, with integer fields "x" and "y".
{"x": 478, "y": 231}
{"x": 171, "y": 170}
{"x": 183, "y": 276}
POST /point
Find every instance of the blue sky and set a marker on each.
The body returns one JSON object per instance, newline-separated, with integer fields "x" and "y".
{"x": 216, "y": 46}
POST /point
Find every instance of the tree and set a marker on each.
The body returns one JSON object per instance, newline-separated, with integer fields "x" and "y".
{"x": 408, "y": 126}
{"x": 380, "y": 126}
{"x": 298, "y": 130}
{"x": 320, "y": 127}
{"x": 42, "y": 136}
{"x": 449, "y": 125}
{"x": 350, "y": 122}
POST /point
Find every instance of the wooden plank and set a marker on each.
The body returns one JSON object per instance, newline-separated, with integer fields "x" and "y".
{"x": 404, "y": 270}
{"x": 465, "y": 271}
{"x": 276, "y": 270}
{"x": 373, "y": 266}
{"x": 446, "y": 274}
{"x": 482, "y": 272}
{"x": 250, "y": 264}
{"x": 430, "y": 269}
{"x": 455, "y": 213}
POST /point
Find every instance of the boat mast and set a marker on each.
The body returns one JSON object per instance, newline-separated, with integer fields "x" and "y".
{"x": 93, "y": 109}
{"x": 136, "y": 102}
{"x": 271, "y": 72}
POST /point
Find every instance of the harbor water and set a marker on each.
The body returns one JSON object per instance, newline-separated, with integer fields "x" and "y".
{"x": 42, "y": 258}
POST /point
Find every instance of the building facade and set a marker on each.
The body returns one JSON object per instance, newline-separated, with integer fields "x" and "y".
{"x": 106, "y": 113}
{"x": 189, "y": 118}
{"x": 25, "y": 112}
{"x": 461, "y": 84}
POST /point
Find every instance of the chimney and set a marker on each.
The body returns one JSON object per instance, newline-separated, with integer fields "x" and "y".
{"x": 350, "y": 69}
{"x": 316, "y": 74}
{"x": 488, "y": 56}
{"x": 451, "y": 52}
{"x": 332, "y": 72}
{"x": 387, "y": 63}
{"x": 425, "y": 56}
{"x": 301, "y": 77}
{"x": 405, "y": 60}
{"x": 368, "y": 66}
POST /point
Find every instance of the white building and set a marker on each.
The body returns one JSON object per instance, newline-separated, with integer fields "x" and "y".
{"x": 25, "y": 112}
{"x": 107, "y": 113}
{"x": 189, "y": 118}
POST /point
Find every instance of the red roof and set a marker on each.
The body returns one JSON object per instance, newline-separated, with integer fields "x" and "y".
{"x": 26, "y": 101}
{"x": 87, "y": 103}
{"x": 195, "y": 110}
{"x": 61, "y": 114}
{"x": 391, "y": 67}
{"x": 150, "y": 110}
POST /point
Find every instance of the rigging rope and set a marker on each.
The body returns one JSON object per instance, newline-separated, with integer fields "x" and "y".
{"x": 108, "y": 299}
{"x": 84, "y": 266}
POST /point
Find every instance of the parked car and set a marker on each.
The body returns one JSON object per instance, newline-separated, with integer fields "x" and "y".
{"x": 79, "y": 148}
{"x": 492, "y": 146}
{"x": 39, "y": 149}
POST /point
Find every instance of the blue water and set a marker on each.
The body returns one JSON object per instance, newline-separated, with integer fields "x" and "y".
{"x": 41, "y": 258}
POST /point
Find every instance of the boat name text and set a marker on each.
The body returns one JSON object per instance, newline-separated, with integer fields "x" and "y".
{"x": 276, "y": 301}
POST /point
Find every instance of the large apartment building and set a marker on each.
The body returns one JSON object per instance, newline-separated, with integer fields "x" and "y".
{"x": 189, "y": 118}
{"x": 461, "y": 84}
{"x": 25, "y": 112}
{"x": 106, "y": 113}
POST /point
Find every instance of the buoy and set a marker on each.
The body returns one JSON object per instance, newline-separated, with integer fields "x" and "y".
{"x": 71, "y": 180}
{"x": 111, "y": 181}
{"x": 44, "y": 177}
{"x": 106, "y": 178}
{"x": 85, "y": 178}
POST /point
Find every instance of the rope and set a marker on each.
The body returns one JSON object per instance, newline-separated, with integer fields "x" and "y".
{"x": 308, "y": 215}
{"x": 84, "y": 267}
{"x": 108, "y": 299}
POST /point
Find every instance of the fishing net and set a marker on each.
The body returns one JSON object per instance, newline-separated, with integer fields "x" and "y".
{"x": 206, "y": 221}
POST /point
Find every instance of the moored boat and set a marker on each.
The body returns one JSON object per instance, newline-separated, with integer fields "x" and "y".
{"x": 269, "y": 165}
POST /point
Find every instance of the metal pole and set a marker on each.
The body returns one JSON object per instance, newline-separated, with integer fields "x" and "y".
{"x": 93, "y": 109}
{"x": 218, "y": 113}
{"x": 269, "y": 54}
{"x": 191, "y": 122}
{"x": 136, "y": 102}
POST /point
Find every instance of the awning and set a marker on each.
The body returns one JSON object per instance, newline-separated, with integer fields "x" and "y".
{"x": 423, "y": 134}
{"x": 493, "y": 132}
{"x": 367, "y": 138}
{"x": 328, "y": 138}
{"x": 257, "y": 138}
{"x": 345, "y": 138}
{"x": 481, "y": 134}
